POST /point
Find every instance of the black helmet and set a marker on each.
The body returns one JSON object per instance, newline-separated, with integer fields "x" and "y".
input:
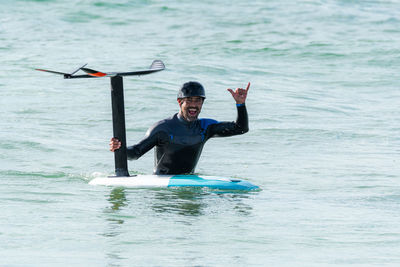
{"x": 191, "y": 89}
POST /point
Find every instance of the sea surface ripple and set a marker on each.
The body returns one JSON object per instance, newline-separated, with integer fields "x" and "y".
{"x": 323, "y": 144}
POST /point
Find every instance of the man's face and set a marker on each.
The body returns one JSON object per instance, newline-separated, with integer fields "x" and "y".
{"x": 190, "y": 107}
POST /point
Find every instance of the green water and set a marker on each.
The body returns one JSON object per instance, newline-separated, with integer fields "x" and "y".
{"x": 323, "y": 142}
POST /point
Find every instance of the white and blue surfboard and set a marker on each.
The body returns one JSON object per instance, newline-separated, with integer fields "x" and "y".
{"x": 159, "y": 181}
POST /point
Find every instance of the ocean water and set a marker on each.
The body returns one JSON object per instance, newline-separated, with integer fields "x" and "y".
{"x": 323, "y": 144}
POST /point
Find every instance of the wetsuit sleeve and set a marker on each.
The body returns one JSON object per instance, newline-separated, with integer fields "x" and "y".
{"x": 153, "y": 137}
{"x": 222, "y": 129}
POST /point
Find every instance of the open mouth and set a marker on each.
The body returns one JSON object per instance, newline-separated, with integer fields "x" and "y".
{"x": 192, "y": 111}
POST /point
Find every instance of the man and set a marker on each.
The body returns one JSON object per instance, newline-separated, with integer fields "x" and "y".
{"x": 179, "y": 140}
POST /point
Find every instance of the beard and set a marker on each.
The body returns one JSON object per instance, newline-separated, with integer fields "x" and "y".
{"x": 191, "y": 113}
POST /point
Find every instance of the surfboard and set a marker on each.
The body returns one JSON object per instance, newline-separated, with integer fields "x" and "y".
{"x": 171, "y": 181}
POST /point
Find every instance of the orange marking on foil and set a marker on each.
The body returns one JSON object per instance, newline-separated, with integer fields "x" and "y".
{"x": 98, "y": 74}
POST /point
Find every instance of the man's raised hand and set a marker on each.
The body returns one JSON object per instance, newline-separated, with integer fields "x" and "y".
{"x": 240, "y": 94}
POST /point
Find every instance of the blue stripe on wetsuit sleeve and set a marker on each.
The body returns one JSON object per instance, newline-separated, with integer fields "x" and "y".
{"x": 204, "y": 123}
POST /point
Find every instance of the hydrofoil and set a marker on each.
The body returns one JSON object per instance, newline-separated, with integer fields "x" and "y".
{"x": 122, "y": 177}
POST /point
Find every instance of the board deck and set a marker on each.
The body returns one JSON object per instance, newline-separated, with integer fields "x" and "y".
{"x": 159, "y": 181}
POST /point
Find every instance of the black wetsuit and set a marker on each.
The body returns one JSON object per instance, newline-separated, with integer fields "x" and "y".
{"x": 179, "y": 143}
